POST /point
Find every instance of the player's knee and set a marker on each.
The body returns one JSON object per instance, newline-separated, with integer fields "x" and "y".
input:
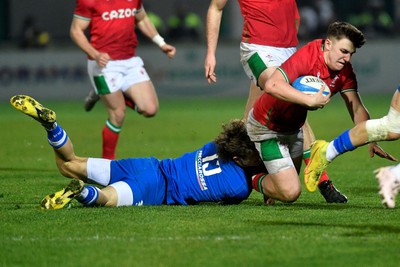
{"x": 386, "y": 128}
{"x": 377, "y": 129}
{"x": 290, "y": 195}
{"x": 149, "y": 110}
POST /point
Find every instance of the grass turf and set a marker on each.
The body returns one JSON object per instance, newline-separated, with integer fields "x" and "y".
{"x": 309, "y": 232}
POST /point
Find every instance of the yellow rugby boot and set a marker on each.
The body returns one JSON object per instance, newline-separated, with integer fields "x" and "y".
{"x": 316, "y": 166}
{"x": 34, "y": 109}
{"x": 61, "y": 198}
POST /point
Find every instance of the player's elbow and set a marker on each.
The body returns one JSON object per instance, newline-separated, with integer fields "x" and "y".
{"x": 270, "y": 87}
{"x": 73, "y": 34}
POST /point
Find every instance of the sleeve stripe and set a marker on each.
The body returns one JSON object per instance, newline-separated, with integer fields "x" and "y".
{"x": 284, "y": 74}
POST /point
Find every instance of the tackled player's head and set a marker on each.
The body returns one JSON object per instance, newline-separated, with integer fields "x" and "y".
{"x": 233, "y": 143}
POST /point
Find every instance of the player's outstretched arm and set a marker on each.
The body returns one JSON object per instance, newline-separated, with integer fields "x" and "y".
{"x": 149, "y": 30}
{"x": 213, "y": 22}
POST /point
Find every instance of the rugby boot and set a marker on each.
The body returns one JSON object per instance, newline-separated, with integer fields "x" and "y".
{"x": 316, "y": 165}
{"x": 34, "y": 109}
{"x": 91, "y": 100}
{"x": 61, "y": 198}
{"x": 330, "y": 193}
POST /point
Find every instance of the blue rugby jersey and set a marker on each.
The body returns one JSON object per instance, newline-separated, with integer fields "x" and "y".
{"x": 199, "y": 176}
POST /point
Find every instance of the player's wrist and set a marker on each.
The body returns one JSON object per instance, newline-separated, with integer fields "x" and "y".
{"x": 158, "y": 40}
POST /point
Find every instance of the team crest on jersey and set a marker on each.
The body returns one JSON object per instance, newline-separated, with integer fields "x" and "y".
{"x": 333, "y": 82}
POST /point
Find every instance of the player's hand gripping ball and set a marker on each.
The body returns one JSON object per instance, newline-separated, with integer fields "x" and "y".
{"x": 310, "y": 85}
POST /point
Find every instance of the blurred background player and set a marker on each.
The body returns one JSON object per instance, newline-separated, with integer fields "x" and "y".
{"x": 269, "y": 37}
{"x": 386, "y": 128}
{"x": 275, "y": 122}
{"x": 220, "y": 171}
{"x": 115, "y": 72}
{"x": 32, "y": 35}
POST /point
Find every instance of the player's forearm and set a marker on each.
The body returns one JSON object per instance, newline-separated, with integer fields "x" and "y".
{"x": 282, "y": 90}
{"x": 360, "y": 114}
{"x": 150, "y": 31}
{"x": 213, "y": 23}
{"x": 147, "y": 28}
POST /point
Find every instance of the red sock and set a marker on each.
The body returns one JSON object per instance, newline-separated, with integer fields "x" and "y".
{"x": 110, "y": 140}
{"x": 130, "y": 103}
{"x": 256, "y": 181}
{"x": 324, "y": 176}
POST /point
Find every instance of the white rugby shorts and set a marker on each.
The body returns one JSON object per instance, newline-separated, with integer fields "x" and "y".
{"x": 257, "y": 58}
{"x": 116, "y": 75}
{"x": 277, "y": 150}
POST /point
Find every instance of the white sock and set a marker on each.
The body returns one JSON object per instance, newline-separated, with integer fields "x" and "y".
{"x": 331, "y": 152}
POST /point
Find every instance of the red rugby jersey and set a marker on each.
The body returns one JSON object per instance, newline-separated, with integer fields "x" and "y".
{"x": 112, "y": 25}
{"x": 270, "y": 22}
{"x": 281, "y": 116}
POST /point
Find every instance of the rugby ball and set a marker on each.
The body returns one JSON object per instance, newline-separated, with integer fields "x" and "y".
{"x": 310, "y": 85}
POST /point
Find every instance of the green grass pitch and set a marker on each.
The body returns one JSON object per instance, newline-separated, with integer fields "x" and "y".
{"x": 309, "y": 232}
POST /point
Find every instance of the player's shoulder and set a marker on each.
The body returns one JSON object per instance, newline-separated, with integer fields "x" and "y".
{"x": 210, "y": 146}
{"x": 314, "y": 46}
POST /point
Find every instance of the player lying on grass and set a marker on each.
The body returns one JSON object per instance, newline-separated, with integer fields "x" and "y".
{"x": 220, "y": 171}
{"x": 386, "y": 128}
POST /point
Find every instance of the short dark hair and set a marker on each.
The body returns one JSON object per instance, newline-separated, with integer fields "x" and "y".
{"x": 339, "y": 30}
{"x": 234, "y": 141}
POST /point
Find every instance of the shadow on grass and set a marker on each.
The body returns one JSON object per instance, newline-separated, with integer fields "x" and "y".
{"x": 27, "y": 169}
{"x": 360, "y": 229}
{"x": 312, "y": 205}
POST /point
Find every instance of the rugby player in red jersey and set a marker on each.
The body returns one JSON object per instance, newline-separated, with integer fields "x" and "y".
{"x": 116, "y": 73}
{"x": 269, "y": 37}
{"x": 275, "y": 122}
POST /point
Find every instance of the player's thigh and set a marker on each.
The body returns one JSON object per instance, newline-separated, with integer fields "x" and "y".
{"x": 113, "y": 101}
{"x": 108, "y": 79}
{"x": 287, "y": 183}
{"x": 139, "y": 88}
{"x": 138, "y": 181}
{"x": 109, "y": 197}
{"x": 144, "y": 95}
{"x": 254, "y": 92}
{"x": 115, "y": 105}
{"x": 261, "y": 61}
{"x": 281, "y": 151}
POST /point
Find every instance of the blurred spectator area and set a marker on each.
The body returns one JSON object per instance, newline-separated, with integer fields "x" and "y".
{"x": 55, "y": 17}
{"x": 376, "y": 18}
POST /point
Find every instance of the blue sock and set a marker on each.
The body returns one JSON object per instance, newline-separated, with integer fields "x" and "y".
{"x": 343, "y": 143}
{"x": 57, "y": 137}
{"x": 89, "y": 195}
